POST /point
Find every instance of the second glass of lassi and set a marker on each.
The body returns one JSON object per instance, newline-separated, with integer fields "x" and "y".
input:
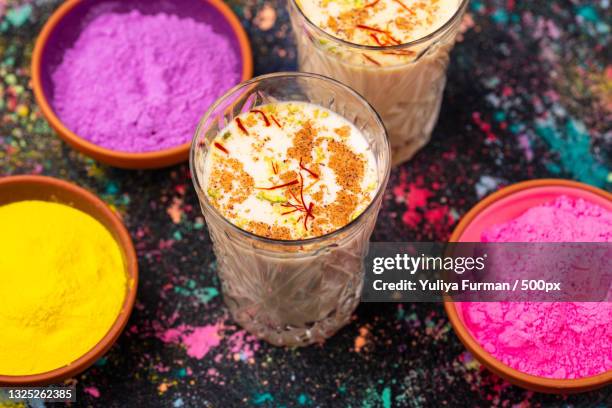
{"x": 290, "y": 170}
{"x": 393, "y": 52}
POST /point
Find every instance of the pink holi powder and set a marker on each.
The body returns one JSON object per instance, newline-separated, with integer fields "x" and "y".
{"x": 563, "y": 220}
{"x": 139, "y": 83}
{"x": 173, "y": 335}
{"x": 243, "y": 345}
{"x": 202, "y": 340}
{"x": 421, "y": 206}
{"x": 554, "y": 340}
{"x": 214, "y": 376}
{"x": 93, "y": 391}
{"x": 198, "y": 341}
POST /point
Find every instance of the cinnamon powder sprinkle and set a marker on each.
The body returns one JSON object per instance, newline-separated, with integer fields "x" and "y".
{"x": 348, "y": 166}
{"x": 269, "y": 231}
{"x": 319, "y": 226}
{"x": 230, "y": 179}
{"x": 344, "y": 131}
{"x": 303, "y": 143}
{"x": 318, "y": 196}
{"x": 339, "y": 212}
{"x": 286, "y": 177}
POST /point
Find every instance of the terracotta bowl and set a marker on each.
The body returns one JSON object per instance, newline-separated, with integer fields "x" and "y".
{"x": 502, "y": 206}
{"x": 63, "y": 28}
{"x": 19, "y": 188}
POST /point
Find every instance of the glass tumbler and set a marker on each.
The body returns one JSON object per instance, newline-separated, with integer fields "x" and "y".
{"x": 404, "y": 83}
{"x": 297, "y": 292}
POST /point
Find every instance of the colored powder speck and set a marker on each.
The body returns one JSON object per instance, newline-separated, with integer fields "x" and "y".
{"x": 260, "y": 399}
{"x": 553, "y": 340}
{"x": 361, "y": 341}
{"x": 20, "y": 15}
{"x": 93, "y": 391}
{"x": 202, "y": 340}
{"x": 500, "y": 16}
{"x": 198, "y": 341}
{"x": 374, "y": 400}
{"x": 101, "y": 362}
{"x": 386, "y": 397}
{"x": 588, "y": 12}
{"x": 243, "y": 345}
{"x": 572, "y": 143}
{"x": 205, "y": 295}
{"x": 137, "y": 83}
{"x": 304, "y": 400}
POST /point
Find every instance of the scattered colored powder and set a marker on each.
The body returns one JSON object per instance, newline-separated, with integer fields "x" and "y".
{"x": 93, "y": 391}
{"x": 138, "y": 83}
{"x": 202, "y": 340}
{"x": 263, "y": 398}
{"x": 554, "y": 340}
{"x": 243, "y": 346}
{"x": 361, "y": 341}
{"x": 63, "y": 285}
{"x": 198, "y": 341}
{"x": 19, "y": 15}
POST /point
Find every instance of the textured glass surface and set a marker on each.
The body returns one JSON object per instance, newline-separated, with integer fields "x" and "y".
{"x": 291, "y": 292}
{"x": 407, "y": 95}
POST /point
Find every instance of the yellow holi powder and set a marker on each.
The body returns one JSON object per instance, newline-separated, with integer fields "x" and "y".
{"x": 8, "y": 404}
{"x": 62, "y": 285}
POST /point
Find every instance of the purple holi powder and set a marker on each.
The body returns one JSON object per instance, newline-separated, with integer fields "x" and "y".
{"x": 140, "y": 83}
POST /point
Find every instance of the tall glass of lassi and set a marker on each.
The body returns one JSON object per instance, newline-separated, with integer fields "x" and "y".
{"x": 393, "y": 52}
{"x": 290, "y": 171}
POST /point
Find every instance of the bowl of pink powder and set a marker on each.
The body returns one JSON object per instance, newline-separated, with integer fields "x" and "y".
{"x": 553, "y": 347}
{"x": 127, "y": 82}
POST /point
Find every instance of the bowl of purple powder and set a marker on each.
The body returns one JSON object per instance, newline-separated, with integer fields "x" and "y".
{"x": 554, "y": 347}
{"x": 127, "y": 82}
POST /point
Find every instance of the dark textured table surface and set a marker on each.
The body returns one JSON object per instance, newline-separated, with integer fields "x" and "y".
{"x": 529, "y": 96}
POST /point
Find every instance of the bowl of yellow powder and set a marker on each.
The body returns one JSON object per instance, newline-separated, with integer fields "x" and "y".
{"x": 68, "y": 274}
